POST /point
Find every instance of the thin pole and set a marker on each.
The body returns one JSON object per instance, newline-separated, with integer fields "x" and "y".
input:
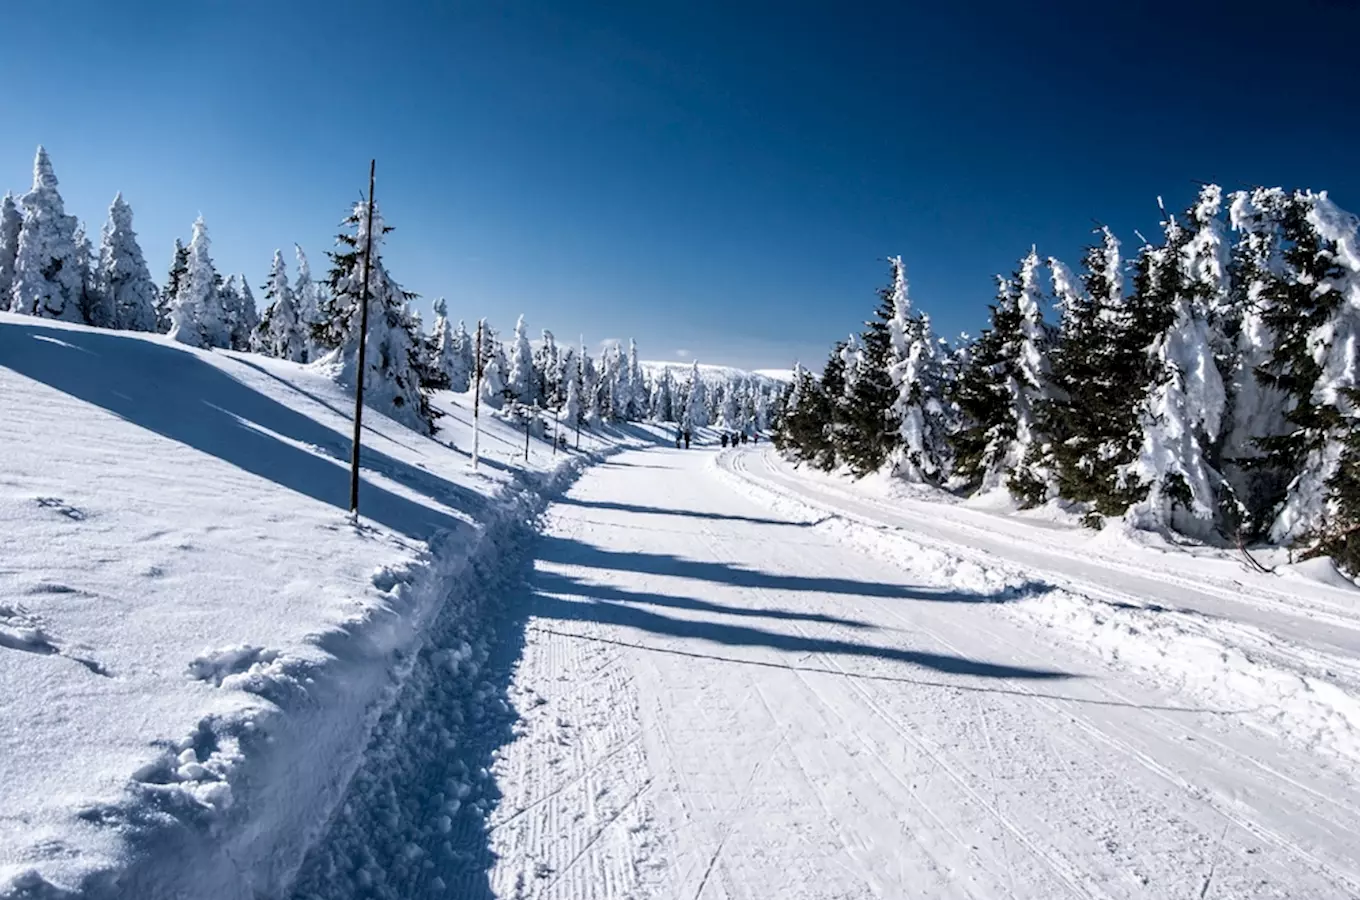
{"x": 363, "y": 345}
{"x": 527, "y": 422}
{"x": 477, "y": 396}
{"x": 556, "y": 429}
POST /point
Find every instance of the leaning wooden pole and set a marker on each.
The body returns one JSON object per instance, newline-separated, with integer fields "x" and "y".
{"x": 363, "y": 345}
{"x": 477, "y": 396}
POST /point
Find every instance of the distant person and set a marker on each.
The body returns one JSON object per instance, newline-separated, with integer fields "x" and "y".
{"x": 755, "y": 438}
{"x": 724, "y": 440}
{"x": 686, "y": 438}
{"x": 743, "y": 438}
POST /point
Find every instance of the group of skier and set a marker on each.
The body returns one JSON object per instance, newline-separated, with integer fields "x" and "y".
{"x": 682, "y": 438}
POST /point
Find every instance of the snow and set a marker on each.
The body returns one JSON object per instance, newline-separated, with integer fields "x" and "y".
{"x": 635, "y": 671}
{"x": 195, "y": 641}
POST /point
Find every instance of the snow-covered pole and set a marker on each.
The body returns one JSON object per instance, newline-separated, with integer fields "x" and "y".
{"x": 477, "y": 395}
{"x": 555, "y": 430}
{"x": 528, "y": 423}
{"x": 363, "y": 344}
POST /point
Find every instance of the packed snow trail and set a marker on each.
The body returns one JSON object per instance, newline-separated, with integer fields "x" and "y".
{"x": 721, "y": 700}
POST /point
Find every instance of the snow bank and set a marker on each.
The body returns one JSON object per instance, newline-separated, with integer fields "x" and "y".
{"x": 195, "y": 641}
{"x": 1308, "y": 698}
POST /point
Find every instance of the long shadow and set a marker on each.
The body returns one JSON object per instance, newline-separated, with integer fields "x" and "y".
{"x": 174, "y": 393}
{"x": 557, "y": 583}
{"x": 575, "y": 553}
{"x": 689, "y": 513}
{"x": 549, "y": 606}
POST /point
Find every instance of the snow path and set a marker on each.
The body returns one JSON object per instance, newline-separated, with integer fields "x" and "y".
{"x": 721, "y": 700}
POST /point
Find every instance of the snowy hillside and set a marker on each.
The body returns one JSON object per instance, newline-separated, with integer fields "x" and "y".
{"x": 195, "y": 641}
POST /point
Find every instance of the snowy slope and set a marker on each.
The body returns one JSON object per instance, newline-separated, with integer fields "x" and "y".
{"x": 195, "y": 642}
{"x": 711, "y": 374}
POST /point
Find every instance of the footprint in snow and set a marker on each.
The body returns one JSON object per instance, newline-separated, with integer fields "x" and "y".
{"x": 60, "y": 506}
{"x": 22, "y": 631}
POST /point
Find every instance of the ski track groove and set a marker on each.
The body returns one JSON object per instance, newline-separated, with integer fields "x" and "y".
{"x": 1195, "y": 793}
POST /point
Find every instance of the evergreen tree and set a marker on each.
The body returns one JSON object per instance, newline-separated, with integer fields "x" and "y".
{"x": 179, "y": 265}
{"x": 868, "y": 427}
{"x": 919, "y": 447}
{"x": 663, "y": 397}
{"x": 1312, "y": 309}
{"x": 282, "y": 333}
{"x": 197, "y": 317}
{"x": 242, "y": 314}
{"x": 442, "y": 353}
{"x": 122, "y": 276}
{"x": 391, "y": 359}
{"x": 462, "y": 362}
{"x": 47, "y": 278}
{"x": 696, "y": 400}
{"x": 637, "y": 387}
{"x": 520, "y": 380}
{"x": 95, "y": 308}
{"x": 311, "y": 304}
{"x": 1183, "y": 405}
{"x": 1257, "y": 408}
{"x": 11, "y": 222}
{"x": 547, "y": 372}
{"x": 571, "y": 415}
{"x": 1000, "y": 383}
{"x": 804, "y": 430}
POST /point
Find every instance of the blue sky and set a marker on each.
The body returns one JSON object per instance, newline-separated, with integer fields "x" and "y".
{"x": 720, "y": 178}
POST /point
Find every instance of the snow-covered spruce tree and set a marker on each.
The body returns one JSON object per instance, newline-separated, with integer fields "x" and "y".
{"x": 1256, "y": 407}
{"x": 519, "y": 382}
{"x": 1000, "y": 383}
{"x": 392, "y": 369}
{"x": 282, "y": 333}
{"x": 95, "y": 308}
{"x": 1182, "y": 408}
{"x": 1099, "y": 375}
{"x": 440, "y": 348}
{"x": 311, "y": 302}
{"x": 494, "y": 365}
{"x": 461, "y": 362}
{"x": 919, "y": 450}
{"x": 663, "y": 397}
{"x": 729, "y": 411}
{"x": 197, "y": 316}
{"x": 179, "y": 264}
{"x": 243, "y": 314}
{"x": 1312, "y": 310}
{"x": 229, "y": 296}
{"x": 571, "y": 411}
{"x": 868, "y": 431}
{"x": 804, "y": 431}
{"x": 547, "y": 372}
{"x": 11, "y": 221}
{"x": 637, "y": 386}
{"x": 696, "y": 400}
{"x": 121, "y": 274}
{"x": 47, "y": 279}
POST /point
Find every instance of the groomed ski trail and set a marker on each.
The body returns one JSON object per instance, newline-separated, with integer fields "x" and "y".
{"x": 720, "y": 700}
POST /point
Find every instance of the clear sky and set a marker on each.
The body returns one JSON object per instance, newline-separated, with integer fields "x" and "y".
{"x": 720, "y": 179}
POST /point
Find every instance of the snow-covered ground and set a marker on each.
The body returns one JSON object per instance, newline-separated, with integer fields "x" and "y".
{"x": 195, "y": 642}
{"x": 739, "y": 682}
{"x": 697, "y": 674}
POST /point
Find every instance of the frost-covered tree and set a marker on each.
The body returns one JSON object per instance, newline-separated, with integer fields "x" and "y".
{"x": 636, "y": 400}
{"x": 311, "y": 302}
{"x": 1000, "y": 383}
{"x": 179, "y": 264}
{"x": 696, "y": 400}
{"x": 11, "y": 222}
{"x": 1312, "y": 309}
{"x": 393, "y": 370}
{"x": 238, "y": 304}
{"x": 663, "y": 397}
{"x": 900, "y": 344}
{"x": 47, "y": 278}
{"x": 122, "y": 276}
{"x": 547, "y": 371}
{"x": 282, "y": 332}
{"x": 1182, "y": 411}
{"x": 197, "y": 316}
{"x": 571, "y": 412}
{"x": 494, "y": 365}
{"x": 95, "y": 307}
{"x": 443, "y": 354}
{"x": 462, "y": 362}
{"x": 520, "y": 377}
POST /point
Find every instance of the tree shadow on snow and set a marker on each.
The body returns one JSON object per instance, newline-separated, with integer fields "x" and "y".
{"x": 687, "y": 513}
{"x": 178, "y": 395}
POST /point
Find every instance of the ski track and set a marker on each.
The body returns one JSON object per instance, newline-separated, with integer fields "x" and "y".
{"x": 682, "y": 692}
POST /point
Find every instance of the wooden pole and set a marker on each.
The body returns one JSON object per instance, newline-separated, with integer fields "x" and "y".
{"x": 556, "y": 430}
{"x": 528, "y": 423}
{"x": 477, "y": 396}
{"x": 363, "y": 345}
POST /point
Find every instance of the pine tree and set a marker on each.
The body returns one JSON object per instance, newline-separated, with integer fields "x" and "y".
{"x": 1000, "y": 383}
{"x": 95, "y": 307}
{"x": 1184, "y": 401}
{"x": 1312, "y": 309}
{"x": 47, "y": 279}
{"x": 11, "y": 222}
{"x": 179, "y": 265}
{"x": 547, "y": 372}
{"x": 1256, "y": 407}
{"x": 441, "y": 349}
{"x": 520, "y": 376}
{"x": 393, "y": 368}
{"x": 804, "y": 429}
{"x": 311, "y": 304}
{"x": 571, "y": 415}
{"x": 462, "y": 362}
{"x": 242, "y": 317}
{"x": 696, "y": 400}
{"x": 1099, "y": 372}
{"x": 494, "y": 365}
{"x": 637, "y": 388}
{"x": 121, "y": 274}
{"x": 196, "y": 314}
{"x": 663, "y": 397}
{"x": 919, "y": 447}
{"x": 282, "y": 333}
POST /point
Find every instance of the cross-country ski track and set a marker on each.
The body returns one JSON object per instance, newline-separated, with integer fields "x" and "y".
{"x": 721, "y": 689}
